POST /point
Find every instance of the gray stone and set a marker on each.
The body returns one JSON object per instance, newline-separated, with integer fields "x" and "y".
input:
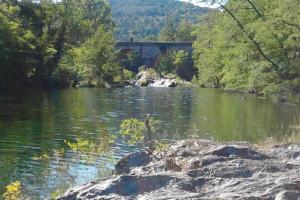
{"x": 201, "y": 169}
{"x": 163, "y": 82}
{"x": 132, "y": 160}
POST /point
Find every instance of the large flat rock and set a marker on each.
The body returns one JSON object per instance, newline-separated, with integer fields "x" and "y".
{"x": 200, "y": 169}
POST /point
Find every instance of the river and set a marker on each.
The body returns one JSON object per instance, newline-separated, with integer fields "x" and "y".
{"x": 34, "y": 123}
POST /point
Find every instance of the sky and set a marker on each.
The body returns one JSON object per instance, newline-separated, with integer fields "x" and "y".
{"x": 200, "y": 3}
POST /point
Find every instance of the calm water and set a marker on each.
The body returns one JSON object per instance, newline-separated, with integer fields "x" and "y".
{"x": 34, "y": 123}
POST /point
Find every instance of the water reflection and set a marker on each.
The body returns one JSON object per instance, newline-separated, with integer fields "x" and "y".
{"x": 32, "y": 123}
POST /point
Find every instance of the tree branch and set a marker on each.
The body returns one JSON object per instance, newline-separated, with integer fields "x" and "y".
{"x": 297, "y": 26}
{"x": 250, "y": 37}
{"x": 254, "y": 7}
{"x": 8, "y": 16}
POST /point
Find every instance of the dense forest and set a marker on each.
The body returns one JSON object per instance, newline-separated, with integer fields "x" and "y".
{"x": 47, "y": 44}
{"x": 250, "y": 45}
{"x": 144, "y": 19}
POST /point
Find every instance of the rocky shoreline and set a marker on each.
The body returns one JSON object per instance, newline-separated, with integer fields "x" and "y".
{"x": 150, "y": 78}
{"x": 201, "y": 169}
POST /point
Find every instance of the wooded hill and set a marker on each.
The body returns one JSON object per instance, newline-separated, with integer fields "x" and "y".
{"x": 143, "y": 19}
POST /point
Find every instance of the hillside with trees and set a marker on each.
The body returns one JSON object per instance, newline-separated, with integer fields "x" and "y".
{"x": 144, "y": 19}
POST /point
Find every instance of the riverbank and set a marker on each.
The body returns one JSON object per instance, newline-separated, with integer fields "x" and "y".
{"x": 201, "y": 169}
{"x": 149, "y": 77}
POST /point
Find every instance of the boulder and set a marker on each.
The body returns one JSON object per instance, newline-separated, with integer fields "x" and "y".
{"x": 163, "y": 82}
{"x": 201, "y": 169}
{"x": 132, "y": 160}
{"x": 146, "y": 76}
{"x": 150, "y": 78}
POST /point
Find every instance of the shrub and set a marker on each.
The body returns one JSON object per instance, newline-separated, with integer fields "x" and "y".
{"x": 13, "y": 191}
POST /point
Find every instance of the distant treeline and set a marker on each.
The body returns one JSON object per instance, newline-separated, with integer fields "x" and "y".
{"x": 143, "y": 20}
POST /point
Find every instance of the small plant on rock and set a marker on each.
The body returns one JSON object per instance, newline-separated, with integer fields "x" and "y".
{"x": 135, "y": 131}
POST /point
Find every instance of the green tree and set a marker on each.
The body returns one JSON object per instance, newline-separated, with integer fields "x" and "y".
{"x": 173, "y": 33}
{"x": 21, "y": 51}
{"x": 34, "y": 37}
{"x": 179, "y": 63}
{"x": 71, "y": 23}
{"x": 169, "y": 31}
{"x": 95, "y": 60}
{"x": 184, "y": 32}
{"x": 250, "y": 44}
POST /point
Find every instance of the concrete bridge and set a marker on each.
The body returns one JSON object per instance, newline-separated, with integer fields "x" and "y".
{"x": 151, "y": 52}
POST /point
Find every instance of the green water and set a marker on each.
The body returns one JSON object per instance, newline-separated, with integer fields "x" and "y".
{"x": 33, "y": 123}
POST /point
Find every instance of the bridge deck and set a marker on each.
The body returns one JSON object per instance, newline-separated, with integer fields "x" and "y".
{"x": 154, "y": 44}
{"x": 150, "y": 51}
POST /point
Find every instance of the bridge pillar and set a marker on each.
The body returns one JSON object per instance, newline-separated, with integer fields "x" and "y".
{"x": 149, "y": 62}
